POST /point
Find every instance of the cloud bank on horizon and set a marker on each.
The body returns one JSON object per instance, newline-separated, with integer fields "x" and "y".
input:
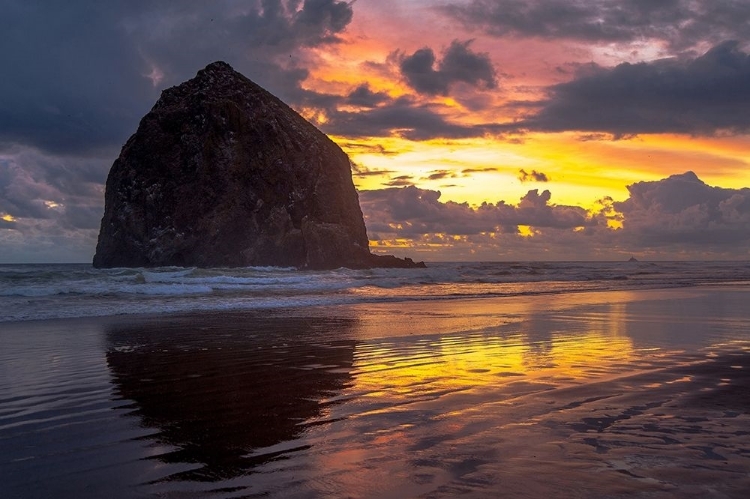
{"x": 517, "y": 78}
{"x": 679, "y": 216}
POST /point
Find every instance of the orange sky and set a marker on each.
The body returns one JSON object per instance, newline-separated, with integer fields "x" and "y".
{"x": 580, "y": 172}
{"x": 580, "y": 167}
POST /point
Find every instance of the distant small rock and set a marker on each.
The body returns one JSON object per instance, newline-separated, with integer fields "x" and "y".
{"x": 222, "y": 173}
{"x": 633, "y": 259}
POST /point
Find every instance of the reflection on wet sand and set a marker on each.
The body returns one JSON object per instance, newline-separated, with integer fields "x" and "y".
{"x": 553, "y": 401}
{"x": 218, "y": 390}
{"x": 590, "y": 395}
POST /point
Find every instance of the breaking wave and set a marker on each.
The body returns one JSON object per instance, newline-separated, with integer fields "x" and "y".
{"x": 29, "y": 292}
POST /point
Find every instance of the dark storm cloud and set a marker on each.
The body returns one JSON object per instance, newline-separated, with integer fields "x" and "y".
{"x": 320, "y": 20}
{"x": 404, "y": 117}
{"x": 363, "y": 96}
{"x": 704, "y": 95}
{"x": 417, "y": 211}
{"x": 533, "y": 176}
{"x": 79, "y": 75}
{"x": 69, "y": 83}
{"x": 459, "y": 64}
{"x": 680, "y": 23}
{"x": 683, "y": 210}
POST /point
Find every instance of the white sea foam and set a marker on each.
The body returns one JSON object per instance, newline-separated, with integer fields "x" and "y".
{"x": 56, "y": 291}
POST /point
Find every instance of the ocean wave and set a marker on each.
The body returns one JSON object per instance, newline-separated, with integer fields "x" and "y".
{"x": 49, "y": 291}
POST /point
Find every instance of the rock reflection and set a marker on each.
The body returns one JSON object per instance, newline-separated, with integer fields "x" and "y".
{"x": 218, "y": 388}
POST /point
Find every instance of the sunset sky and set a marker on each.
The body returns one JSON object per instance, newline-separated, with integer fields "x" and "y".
{"x": 478, "y": 129}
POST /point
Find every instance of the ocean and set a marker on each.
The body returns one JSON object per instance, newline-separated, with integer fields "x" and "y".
{"x": 55, "y": 291}
{"x": 480, "y": 380}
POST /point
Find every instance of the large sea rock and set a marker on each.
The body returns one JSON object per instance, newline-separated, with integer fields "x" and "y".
{"x": 222, "y": 173}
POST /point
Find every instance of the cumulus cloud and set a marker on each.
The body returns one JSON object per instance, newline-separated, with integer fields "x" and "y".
{"x": 436, "y": 229}
{"x": 703, "y": 95}
{"x": 683, "y": 210}
{"x": 411, "y": 212}
{"x": 680, "y": 24}
{"x": 459, "y": 64}
{"x": 676, "y": 217}
{"x": 533, "y": 176}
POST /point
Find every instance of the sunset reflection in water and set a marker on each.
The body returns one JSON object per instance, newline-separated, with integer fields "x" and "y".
{"x": 533, "y": 396}
{"x": 519, "y": 395}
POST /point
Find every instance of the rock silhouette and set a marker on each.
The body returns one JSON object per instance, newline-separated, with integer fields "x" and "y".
{"x": 222, "y": 173}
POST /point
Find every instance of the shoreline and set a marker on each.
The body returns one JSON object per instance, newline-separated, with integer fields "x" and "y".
{"x": 417, "y": 302}
{"x": 37, "y": 293}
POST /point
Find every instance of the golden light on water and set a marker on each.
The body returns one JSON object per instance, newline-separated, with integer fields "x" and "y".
{"x": 494, "y": 349}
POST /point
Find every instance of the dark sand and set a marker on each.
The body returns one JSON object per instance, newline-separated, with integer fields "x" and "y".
{"x": 623, "y": 394}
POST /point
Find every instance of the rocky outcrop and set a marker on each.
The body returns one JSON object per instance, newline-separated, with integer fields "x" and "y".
{"x": 222, "y": 173}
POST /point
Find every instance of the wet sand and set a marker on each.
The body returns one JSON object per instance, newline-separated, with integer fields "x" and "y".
{"x": 621, "y": 394}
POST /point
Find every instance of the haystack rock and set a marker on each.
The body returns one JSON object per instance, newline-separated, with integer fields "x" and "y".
{"x": 222, "y": 173}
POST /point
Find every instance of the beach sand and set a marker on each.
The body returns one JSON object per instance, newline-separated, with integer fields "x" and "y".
{"x": 619, "y": 394}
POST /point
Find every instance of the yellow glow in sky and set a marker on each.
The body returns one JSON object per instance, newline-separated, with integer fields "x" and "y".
{"x": 582, "y": 167}
{"x": 580, "y": 171}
